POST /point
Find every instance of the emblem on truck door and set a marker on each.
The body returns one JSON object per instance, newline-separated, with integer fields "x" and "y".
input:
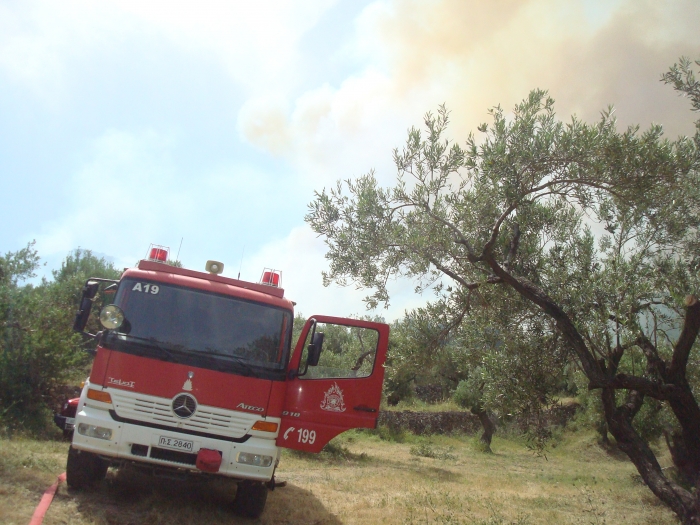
{"x": 184, "y": 406}
{"x": 333, "y": 399}
{"x": 188, "y": 383}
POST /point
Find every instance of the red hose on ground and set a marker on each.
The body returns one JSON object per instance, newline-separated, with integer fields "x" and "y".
{"x": 46, "y": 500}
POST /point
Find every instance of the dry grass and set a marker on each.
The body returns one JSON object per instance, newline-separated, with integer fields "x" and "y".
{"x": 364, "y": 480}
{"x": 27, "y": 468}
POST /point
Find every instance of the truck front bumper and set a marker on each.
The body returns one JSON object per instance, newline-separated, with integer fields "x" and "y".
{"x": 63, "y": 422}
{"x": 245, "y": 458}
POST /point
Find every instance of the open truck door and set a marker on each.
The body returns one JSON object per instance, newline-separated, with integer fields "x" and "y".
{"x": 334, "y": 382}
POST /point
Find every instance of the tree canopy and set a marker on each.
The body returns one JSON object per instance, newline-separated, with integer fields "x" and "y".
{"x": 38, "y": 349}
{"x": 584, "y": 235}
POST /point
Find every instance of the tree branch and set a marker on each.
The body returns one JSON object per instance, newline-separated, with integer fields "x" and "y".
{"x": 17, "y": 325}
{"x": 645, "y": 386}
{"x": 681, "y": 352}
{"x": 496, "y": 228}
{"x": 654, "y": 361}
{"x": 514, "y": 243}
{"x": 582, "y": 182}
{"x": 450, "y": 273}
{"x": 534, "y": 294}
{"x": 460, "y": 239}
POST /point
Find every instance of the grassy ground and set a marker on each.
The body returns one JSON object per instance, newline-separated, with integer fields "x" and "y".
{"x": 449, "y": 405}
{"x": 363, "y": 479}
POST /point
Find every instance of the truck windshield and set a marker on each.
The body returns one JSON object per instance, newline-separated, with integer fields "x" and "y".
{"x": 202, "y": 329}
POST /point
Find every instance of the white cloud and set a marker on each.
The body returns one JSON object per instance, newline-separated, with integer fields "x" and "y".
{"x": 119, "y": 199}
{"x": 257, "y": 43}
{"x": 39, "y": 39}
{"x": 300, "y": 257}
{"x": 332, "y": 133}
{"x": 130, "y": 193}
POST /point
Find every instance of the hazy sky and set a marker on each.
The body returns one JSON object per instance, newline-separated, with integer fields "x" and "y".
{"x": 129, "y": 123}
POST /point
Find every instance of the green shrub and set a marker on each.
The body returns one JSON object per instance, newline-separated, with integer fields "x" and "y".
{"x": 39, "y": 351}
{"x": 428, "y": 450}
{"x": 468, "y": 393}
{"x": 391, "y": 434}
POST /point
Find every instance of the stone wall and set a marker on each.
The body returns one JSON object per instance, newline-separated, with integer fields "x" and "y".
{"x": 465, "y": 422}
{"x": 431, "y": 422}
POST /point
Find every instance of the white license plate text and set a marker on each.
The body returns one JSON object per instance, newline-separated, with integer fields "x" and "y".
{"x": 175, "y": 444}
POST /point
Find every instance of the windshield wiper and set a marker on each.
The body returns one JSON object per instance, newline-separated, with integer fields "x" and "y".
{"x": 150, "y": 344}
{"x": 215, "y": 358}
{"x": 239, "y": 361}
{"x": 218, "y": 360}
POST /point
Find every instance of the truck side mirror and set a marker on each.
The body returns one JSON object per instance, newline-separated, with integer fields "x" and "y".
{"x": 315, "y": 349}
{"x": 83, "y": 314}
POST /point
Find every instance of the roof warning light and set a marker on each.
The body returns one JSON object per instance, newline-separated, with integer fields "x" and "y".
{"x": 157, "y": 253}
{"x": 271, "y": 277}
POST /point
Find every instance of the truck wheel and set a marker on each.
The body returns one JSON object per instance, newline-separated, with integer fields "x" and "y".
{"x": 101, "y": 469}
{"x": 84, "y": 469}
{"x": 250, "y": 498}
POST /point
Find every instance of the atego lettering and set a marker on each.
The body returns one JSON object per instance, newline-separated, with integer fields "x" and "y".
{"x": 250, "y": 407}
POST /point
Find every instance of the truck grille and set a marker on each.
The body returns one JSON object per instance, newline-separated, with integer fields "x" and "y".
{"x": 151, "y": 409}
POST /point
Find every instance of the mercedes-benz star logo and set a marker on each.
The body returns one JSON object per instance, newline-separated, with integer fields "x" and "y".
{"x": 184, "y": 406}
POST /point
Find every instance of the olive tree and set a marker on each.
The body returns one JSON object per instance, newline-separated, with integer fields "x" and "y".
{"x": 480, "y": 357}
{"x": 422, "y": 353}
{"x": 592, "y": 230}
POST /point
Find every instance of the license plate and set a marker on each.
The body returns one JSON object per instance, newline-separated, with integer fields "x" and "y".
{"x": 175, "y": 444}
{"x": 70, "y": 423}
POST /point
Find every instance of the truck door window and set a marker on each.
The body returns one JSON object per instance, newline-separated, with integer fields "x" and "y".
{"x": 348, "y": 351}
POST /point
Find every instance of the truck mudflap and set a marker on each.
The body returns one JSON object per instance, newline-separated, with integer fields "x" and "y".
{"x": 342, "y": 390}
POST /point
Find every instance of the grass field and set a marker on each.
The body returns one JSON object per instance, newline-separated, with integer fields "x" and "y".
{"x": 363, "y": 479}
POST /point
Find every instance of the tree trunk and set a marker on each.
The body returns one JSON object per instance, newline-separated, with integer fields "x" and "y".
{"x": 489, "y": 428}
{"x": 683, "y": 403}
{"x": 687, "y": 442}
{"x": 682, "y": 502}
{"x": 672, "y": 387}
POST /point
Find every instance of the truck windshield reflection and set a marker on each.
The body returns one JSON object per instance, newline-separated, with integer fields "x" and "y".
{"x": 204, "y": 329}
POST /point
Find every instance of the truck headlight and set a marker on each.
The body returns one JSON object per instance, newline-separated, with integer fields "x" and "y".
{"x": 256, "y": 460}
{"x": 94, "y": 432}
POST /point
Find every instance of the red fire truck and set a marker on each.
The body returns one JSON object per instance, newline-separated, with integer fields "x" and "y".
{"x": 195, "y": 374}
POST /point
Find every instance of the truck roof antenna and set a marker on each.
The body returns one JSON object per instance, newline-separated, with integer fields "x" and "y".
{"x": 178, "y": 250}
{"x": 241, "y": 266}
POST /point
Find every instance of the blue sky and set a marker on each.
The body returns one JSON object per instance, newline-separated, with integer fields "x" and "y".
{"x": 129, "y": 123}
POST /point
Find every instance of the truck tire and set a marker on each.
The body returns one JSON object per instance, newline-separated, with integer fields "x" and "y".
{"x": 250, "y": 499}
{"x": 84, "y": 469}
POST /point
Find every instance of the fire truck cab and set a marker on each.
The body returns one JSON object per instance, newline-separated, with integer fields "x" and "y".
{"x": 196, "y": 373}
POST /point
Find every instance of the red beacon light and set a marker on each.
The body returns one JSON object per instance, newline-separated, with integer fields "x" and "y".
{"x": 157, "y": 253}
{"x": 271, "y": 277}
